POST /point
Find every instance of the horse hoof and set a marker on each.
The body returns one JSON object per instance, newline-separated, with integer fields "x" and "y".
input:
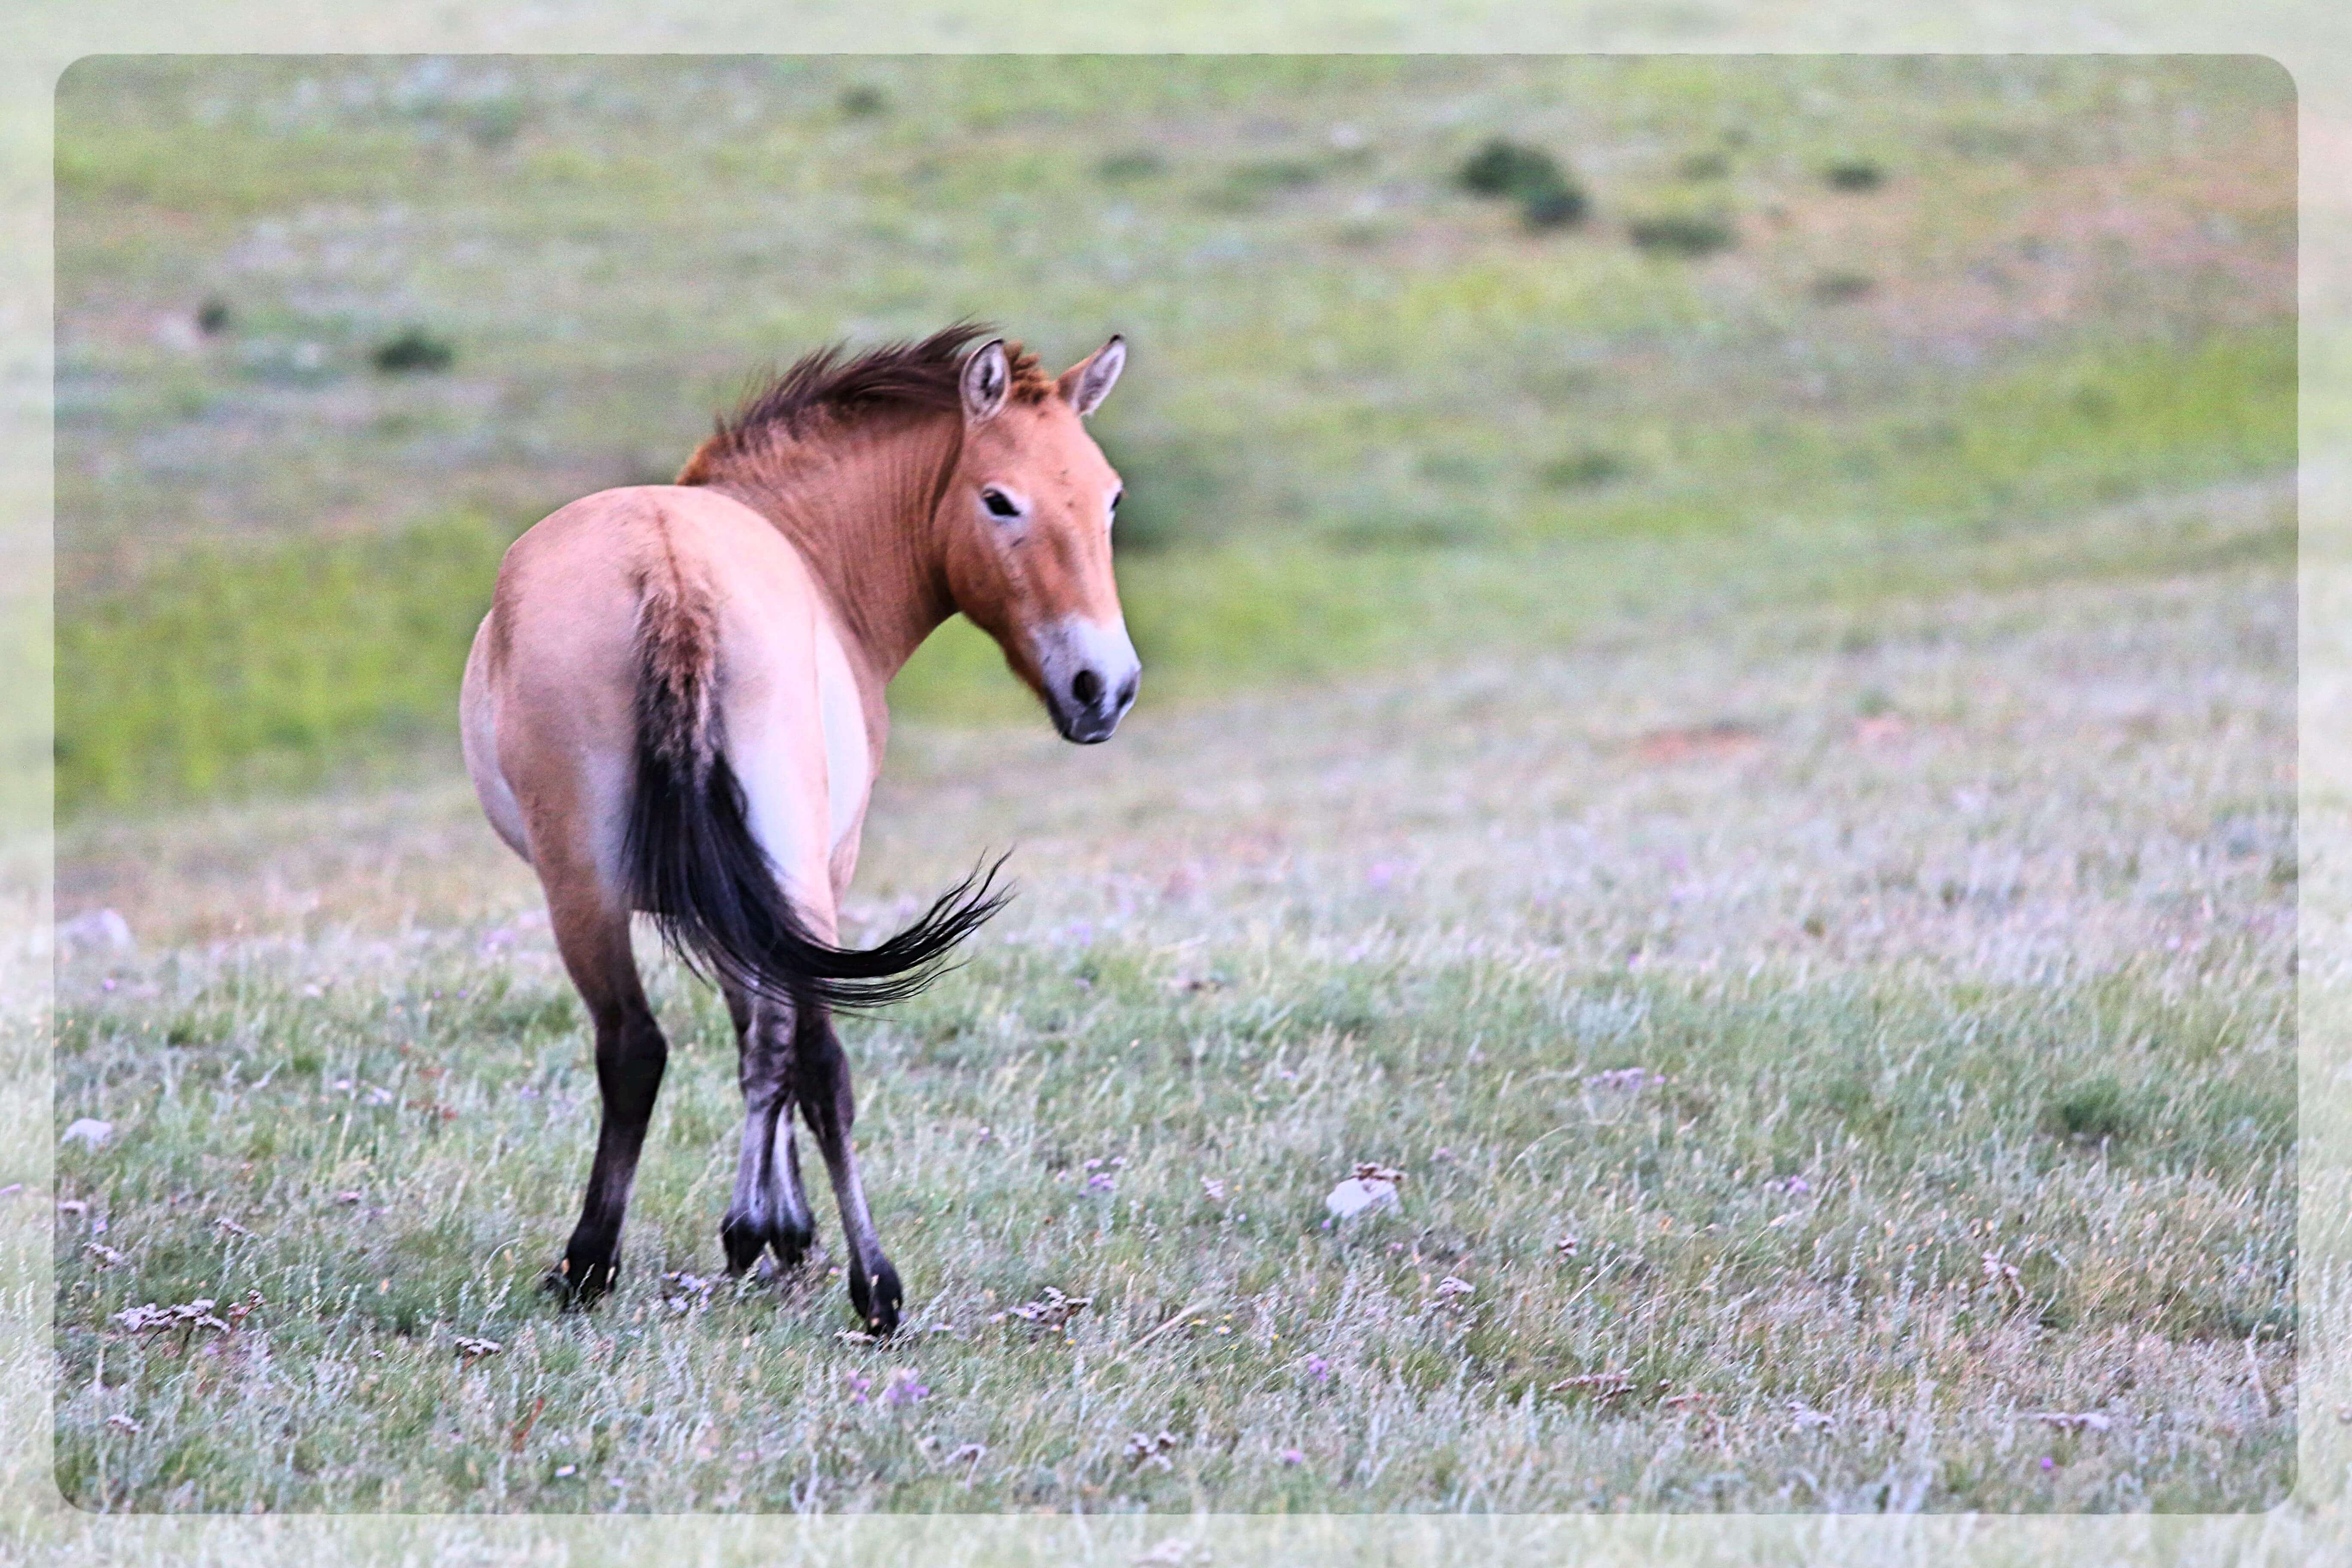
{"x": 877, "y": 1300}
{"x": 577, "y": 1282}
{"x": 742, "y": 1243}
{"x": 792, "y": 1248}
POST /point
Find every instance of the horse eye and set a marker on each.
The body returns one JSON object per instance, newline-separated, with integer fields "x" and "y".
{"x": 999, "y": 505}
{"x": 1117, "y": 497}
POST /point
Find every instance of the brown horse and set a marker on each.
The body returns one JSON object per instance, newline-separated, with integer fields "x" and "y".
{"x": 675, "y": 706}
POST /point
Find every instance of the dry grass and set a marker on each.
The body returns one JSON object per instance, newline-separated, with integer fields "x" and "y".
{"x": 1893, "y": 1003}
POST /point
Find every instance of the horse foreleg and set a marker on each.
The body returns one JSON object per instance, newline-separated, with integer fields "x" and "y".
{"x": 820, "y": 1071}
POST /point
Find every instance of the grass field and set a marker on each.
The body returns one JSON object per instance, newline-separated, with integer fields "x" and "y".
{"x": 1368, "y": 411}
{"x": 1813, "y": 972}
{"x": 1773, "y": 766}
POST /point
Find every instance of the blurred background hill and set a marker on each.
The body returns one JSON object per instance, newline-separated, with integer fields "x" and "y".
{"x": 1431, "y": 354}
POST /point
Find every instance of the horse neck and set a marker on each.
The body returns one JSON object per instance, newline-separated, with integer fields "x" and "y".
{"x": 858, "y": 506}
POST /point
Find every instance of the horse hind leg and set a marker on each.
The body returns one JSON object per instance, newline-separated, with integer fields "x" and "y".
{"x": 593, "y": 938}
{"x": 821, "y": 1075}
{"x": 769, "y": 1208}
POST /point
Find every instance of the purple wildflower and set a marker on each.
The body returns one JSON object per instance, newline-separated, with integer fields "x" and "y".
{"x": 905, "y": 1388}
{"x": 1319, "y": 1369}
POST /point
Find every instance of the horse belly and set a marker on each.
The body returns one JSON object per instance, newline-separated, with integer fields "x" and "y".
{"x": 477, "y": 736}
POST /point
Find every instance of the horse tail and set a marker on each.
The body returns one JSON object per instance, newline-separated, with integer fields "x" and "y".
{"x": 692, "y": 861}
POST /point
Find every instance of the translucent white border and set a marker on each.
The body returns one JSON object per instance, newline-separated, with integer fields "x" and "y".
{"x": 2312, "y": 40}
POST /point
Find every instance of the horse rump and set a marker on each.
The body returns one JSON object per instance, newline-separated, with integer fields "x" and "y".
{"x": 695, "y": 867}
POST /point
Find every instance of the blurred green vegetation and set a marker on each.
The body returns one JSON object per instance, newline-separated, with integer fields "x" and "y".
{"x": 272, "y": 663}
{"x": 241, "y": 666}
{"x": 1370, "y": 414}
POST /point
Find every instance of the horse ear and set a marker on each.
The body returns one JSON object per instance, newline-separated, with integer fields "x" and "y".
{"x": 1085, "y": 384}
{"x": 987, "y": 377}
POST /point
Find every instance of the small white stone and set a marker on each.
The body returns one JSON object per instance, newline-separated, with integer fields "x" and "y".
{"x": 1356, "y": 1194}
{"x": 89, "y": 1131}
{"x": 100, "y": 927}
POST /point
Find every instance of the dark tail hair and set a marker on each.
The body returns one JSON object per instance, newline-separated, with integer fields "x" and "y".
{"x": 695, "y": 867}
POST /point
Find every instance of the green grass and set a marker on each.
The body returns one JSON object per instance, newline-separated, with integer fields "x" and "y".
{"x": 1354, "y": 383}
{"x": 1792, "y": 793}
{"x": 269, "y": 666}
{"x": 1669, "y": 1191}
{"x": 1893, "y": 1007}
{"x": 273, "y": 666}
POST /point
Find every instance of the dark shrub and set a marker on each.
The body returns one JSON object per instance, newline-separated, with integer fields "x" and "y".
{"x": 214, "y": 316}
{"x": 1705, "y": 166}
{"x": 864, "y": 100}
{"x": 1548, "y": 196}
{"x": 1854, "y": 175}
{"x": 1587, "y": 469}
{"x": 1503, "y": 168}
{"x": 1682, "y": 234}
{"x": 414, "y": 349}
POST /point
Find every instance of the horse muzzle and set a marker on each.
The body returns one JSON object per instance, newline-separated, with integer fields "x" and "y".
{"x": 1091, "y": 675}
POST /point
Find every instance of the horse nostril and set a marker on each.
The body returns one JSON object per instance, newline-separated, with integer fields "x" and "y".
{"x": 1126, "y": 691}
{"x": 1085, "y": 687}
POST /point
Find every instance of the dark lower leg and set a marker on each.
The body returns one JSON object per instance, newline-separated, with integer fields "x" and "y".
{"x": 768, "y": 1208}
{"x": 795, "y": 1229}
{"x": 821, "y": 1070}
{"x": 630, "y": 1056}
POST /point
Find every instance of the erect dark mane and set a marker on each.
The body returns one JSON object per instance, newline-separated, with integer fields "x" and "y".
{"x": 923, "y": 376}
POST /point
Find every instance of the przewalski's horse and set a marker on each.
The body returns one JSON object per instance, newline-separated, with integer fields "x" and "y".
{"x": 674, "y": 706}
